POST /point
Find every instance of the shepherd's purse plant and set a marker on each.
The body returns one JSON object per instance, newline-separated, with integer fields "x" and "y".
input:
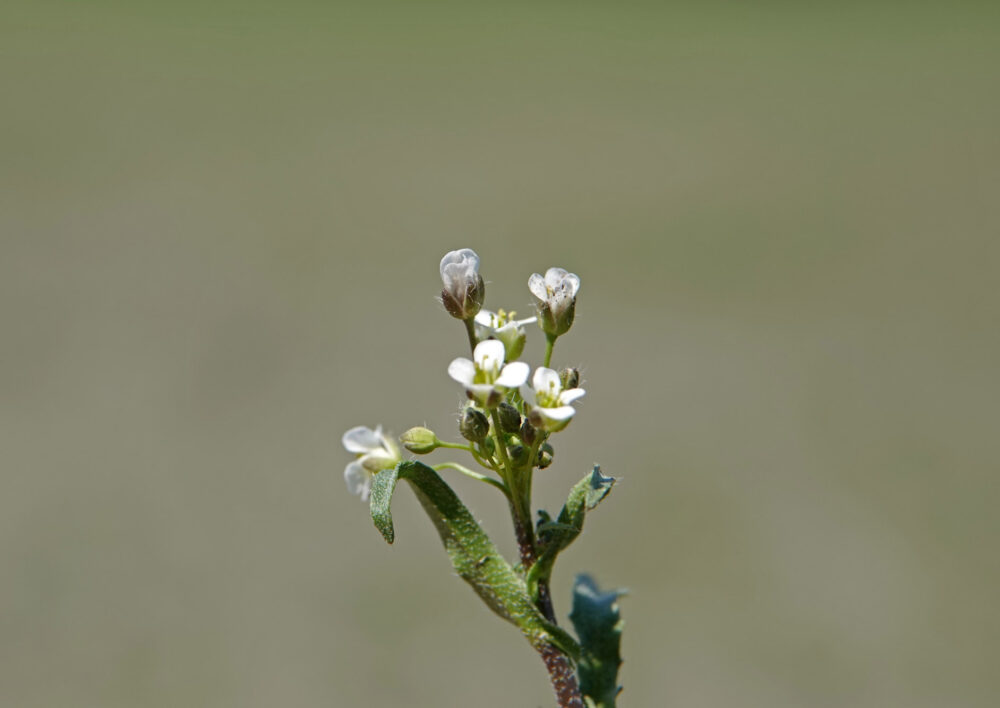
{"x": 507, "y": 429}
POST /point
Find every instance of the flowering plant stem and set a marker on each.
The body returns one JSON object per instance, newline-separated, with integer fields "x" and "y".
{"x": 519, "y": 482}
{"x": 550, "y": 342}
{"x": 507, "y": 430}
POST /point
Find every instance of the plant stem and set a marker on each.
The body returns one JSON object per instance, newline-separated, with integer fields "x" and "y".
{"x": 470, "y": 328}
{"x": 475, "y": 475}
{"x": 454, "y": 446}
{"x": 525, "y": 540}
{"x": 550, "y": 341}
{"x": 502, "y": 448}
{"x": 520, "y": 499}
{"x": 558, "y": 665}
{"x": 562, "y": 676}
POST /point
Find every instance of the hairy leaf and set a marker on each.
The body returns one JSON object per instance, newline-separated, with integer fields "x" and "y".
{"x": 473, "y": 555}
{"x": 555, "y": 536}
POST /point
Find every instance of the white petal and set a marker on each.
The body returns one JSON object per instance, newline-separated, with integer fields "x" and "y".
{"x": 391, "y": 448}
{"x": 570, "y": 395}
{"x": 379, "y": 459}
{"x": 358, "y": 480}
{"x": 465, "y": 258}
{"x": 489, "y": 354}
{"x": 481, "y": 392}
{"x": 551, "y": 419}
{"x": 536, "y": 284}
{"x": 459, "y": 272}
{"x": 453, "y": 278}
{"x": 558, "y": 414}
{"x": 462, "y": 370}
{"x": 513, "y": 375}
{"x": 360, "y": 440}
{"x": 486, "y": 319}
{"x": 546, "y": 381}
{"x": 554, "y": 276}
{"x": 571, "y": 284}
{"x": 487, "y": 325}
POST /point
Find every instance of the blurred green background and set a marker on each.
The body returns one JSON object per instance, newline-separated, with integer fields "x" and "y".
{"x": 220, "y": 229}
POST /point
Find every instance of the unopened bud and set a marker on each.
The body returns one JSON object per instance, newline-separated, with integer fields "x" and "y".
{"x": 518, "y": 454}
{"x": 474, "y": 425}
{"x": 464, "y": 289}
{"x": 569, "y": 378}
{"x": 528, "y": 433}
{"x": 545, "y": 456}
{"x": 488, "y": 447}
{"x": 420, "y": 440}
{"x": 510, "y": 418}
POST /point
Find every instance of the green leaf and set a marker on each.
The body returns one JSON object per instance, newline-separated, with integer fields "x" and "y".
{"x": 472, "y": 554}
{"x": 555, "y": 536}
{"x": 598, "y": 624}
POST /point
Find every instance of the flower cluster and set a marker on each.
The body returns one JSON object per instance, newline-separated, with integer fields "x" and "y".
{"x": 506, "y": 423}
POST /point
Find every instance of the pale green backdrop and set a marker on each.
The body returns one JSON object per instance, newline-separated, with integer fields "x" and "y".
{"x": 219, "y": 234}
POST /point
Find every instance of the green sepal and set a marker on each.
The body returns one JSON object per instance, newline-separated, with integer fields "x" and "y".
{"x": 555, "y": 536}
{"x": 598, "y": 624}
{"x": 473, "y": 555}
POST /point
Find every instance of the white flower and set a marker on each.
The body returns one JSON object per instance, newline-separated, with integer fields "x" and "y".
{"x": 375, "y": 453}
{"x": 502, "y": 325}
{"x": 552, "y": 410}
{"x": 464, "y": 289}
{"x": 555, "y": 299}
{"x": 486, "y": 379}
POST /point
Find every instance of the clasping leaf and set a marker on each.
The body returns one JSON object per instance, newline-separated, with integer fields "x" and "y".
{"x": 473, "y": 555}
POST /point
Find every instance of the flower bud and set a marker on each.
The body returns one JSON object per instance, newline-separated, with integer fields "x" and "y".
{"x": 528, "y": 433}
{"x": 555, "y": 299}
{"x": 488, "y": 447}
{"x": 474, "y": 426}
{"x": 518, "y": 454}
{"x": 464, "y": 289}
{"x": 510, "y": 418}
{"x": 544, "y": 458}
{"x": 420, "y": 440}
{"x": 569, "y": 378}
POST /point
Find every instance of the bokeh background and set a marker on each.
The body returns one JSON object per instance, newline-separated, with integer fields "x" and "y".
{"x": 220, "y": 228}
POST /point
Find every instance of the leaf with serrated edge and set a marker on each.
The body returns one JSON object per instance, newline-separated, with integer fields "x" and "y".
{"x": 555, "y": 536}
{"x": 473, "y": 555}
{"x": 598, "y": 624}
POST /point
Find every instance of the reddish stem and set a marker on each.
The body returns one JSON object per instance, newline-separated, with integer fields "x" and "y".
{"x": 563, "y": 678}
